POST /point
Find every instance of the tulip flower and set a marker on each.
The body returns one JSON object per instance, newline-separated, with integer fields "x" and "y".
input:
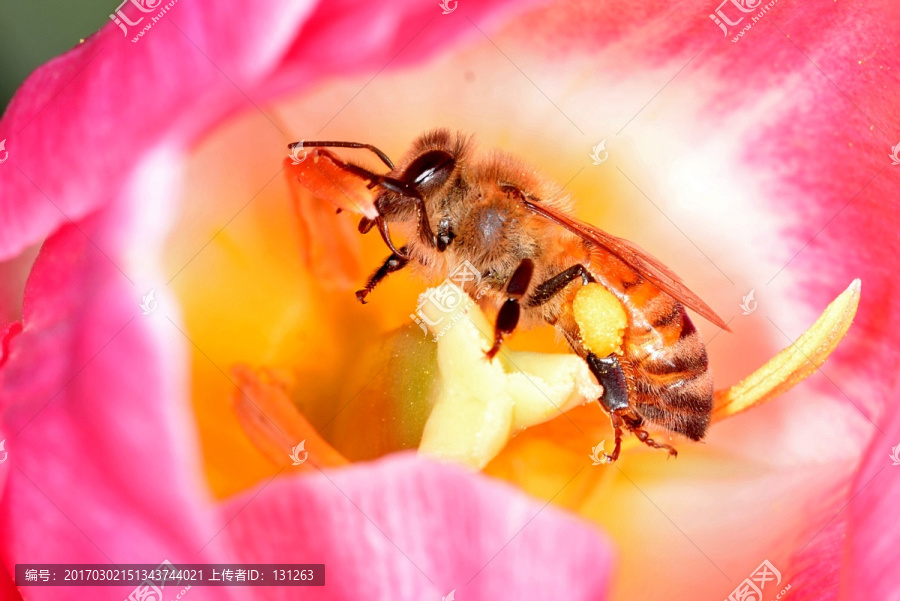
{"x": 187, "y": 375}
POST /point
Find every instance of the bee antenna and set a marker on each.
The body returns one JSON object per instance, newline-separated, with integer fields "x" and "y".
{"x": 331, "y": 144}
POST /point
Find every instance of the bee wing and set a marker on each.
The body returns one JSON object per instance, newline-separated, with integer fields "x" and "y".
{"x": 639, "y": 260}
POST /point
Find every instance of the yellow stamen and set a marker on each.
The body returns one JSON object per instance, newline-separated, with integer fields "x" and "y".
{"x": 479, "y": 404}
{"x": 273, "y": 423}
{"x": 795, "y": 363}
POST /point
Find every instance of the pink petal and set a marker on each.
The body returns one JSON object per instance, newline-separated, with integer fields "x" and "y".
{"x": 9, "y": 332}
{"x": 119, "y": 123}
{"x": 7, "y": 586}
{"x": 407, "y": 528}
{"x": 815, "y": 571}
{"x": 850, "y": 550}
{"x": 841, "y": 185}
{"x": 102, "y": 465}
{"x": 870, "y": 568}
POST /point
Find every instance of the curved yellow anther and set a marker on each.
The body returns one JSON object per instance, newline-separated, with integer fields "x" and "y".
{"x": 795, "y": 363}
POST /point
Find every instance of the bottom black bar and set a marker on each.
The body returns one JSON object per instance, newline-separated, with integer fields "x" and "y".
{"x": 167, "y": 574}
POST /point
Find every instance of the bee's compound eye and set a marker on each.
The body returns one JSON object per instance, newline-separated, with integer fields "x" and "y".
{"x": 430, "y": 170}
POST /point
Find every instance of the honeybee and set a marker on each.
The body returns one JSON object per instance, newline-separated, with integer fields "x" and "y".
{"x": 452, "y": 205}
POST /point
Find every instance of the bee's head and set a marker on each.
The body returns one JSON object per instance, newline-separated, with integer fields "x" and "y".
{"x": 428, "y": 167}
{"x": 411, "y": 190}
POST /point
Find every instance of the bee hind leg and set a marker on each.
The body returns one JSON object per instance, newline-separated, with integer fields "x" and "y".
{"x": 617, "y": 423}
{"x": 633, "y": 424}
{"x": 614, "y": 400}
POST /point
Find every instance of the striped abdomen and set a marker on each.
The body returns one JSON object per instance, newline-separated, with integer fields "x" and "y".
{"x": 665, "y": 362}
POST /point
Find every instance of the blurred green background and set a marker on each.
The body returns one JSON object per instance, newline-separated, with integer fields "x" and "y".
{"x": 34, "y": 31}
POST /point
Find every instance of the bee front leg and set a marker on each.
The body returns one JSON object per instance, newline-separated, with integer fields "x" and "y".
{"x": 385, "y": 235}
{"x": 393, "y": 263}
{"x": 397, "y": 186}
{"x": 402, "y": 188}
{"x": 508, "y": 316}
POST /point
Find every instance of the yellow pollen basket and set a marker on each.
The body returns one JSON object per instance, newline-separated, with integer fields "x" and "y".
{"x": 601, "y": 318}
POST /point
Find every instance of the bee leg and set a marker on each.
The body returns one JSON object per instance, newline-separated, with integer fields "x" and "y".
{"x": 614, "y": 400}
{"x": 386, "y": 236}
{"x": 611, "y": 377}
{"x": 399, "y": 187}
{"x": 617, "y": 423}
{"x": 366, "y": 224}
{"x": 633, "y": 424}
{"x": 393, "y": 263}
{"x": 547, "y": 290}
{"x": 644, "y": 437}
{"x": 508, "y": 316}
